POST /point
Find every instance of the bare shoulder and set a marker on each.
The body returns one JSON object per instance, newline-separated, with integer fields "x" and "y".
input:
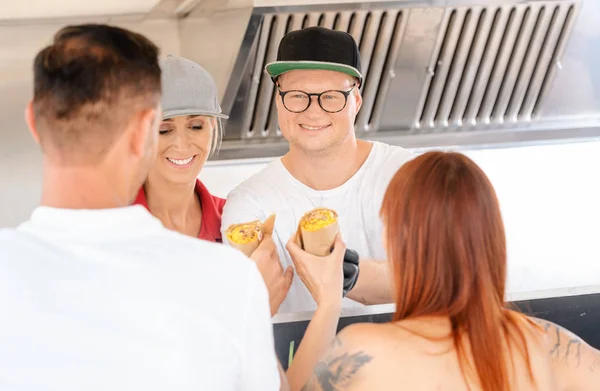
{"x": 346, "y": 361}
{"x": 560, "y": 340}
{"x": 575, "y": 362}
{"x": 361, "y": 331}
{"x": 374, "y": 337}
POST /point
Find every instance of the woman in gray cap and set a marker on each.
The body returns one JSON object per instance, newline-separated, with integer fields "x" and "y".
{"x": 190, "y": 131}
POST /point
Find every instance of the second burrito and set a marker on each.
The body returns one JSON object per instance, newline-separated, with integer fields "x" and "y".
{"x": 317, "y": 230}
{"x": 247, "y": 236}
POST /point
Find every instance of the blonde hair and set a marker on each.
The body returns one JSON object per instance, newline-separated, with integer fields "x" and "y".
{"x": 216, "y": 137}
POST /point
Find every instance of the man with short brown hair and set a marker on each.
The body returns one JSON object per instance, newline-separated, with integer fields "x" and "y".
{"x": 96, "y": 294}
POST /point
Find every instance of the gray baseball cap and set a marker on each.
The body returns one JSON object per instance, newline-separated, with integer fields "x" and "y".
{"x": 188, "y": 89}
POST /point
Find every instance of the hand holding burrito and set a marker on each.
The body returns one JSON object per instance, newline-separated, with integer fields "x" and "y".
{"x": 323, "y": 276}
{"x": 254, "y": 239}
{"x": 316, "y": 234}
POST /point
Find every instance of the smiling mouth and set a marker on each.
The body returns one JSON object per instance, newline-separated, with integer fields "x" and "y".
{"x": 181, "y": 162}
{"x": 318, "y": 127}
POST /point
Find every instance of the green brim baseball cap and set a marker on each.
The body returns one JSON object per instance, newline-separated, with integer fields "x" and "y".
{"x": 279, "y": 67}
{"x": 317, "y": 48}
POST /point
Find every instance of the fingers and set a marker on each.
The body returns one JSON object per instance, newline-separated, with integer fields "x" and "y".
{"x": 271, "y": 254}
{"x": 350, "y": 269}
{"x": 292, "y": 247}
{"x": 288, "y": 279}
{"x": 339, "y": 248}
{"x": 266, "y": 249}
{"x": 266, "y": 243}
{"x": 279, "y": 293}
{"x": 298, "y": 257}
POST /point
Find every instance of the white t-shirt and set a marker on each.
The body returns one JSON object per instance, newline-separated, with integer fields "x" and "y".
{"x": 112, "y": 300}
{"x": 357, "y": 202}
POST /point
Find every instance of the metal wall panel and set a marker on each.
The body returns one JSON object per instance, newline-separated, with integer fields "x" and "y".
{"x": 456, "y": 68}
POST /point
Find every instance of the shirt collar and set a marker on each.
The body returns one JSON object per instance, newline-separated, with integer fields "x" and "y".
{"x": 121, "y": 222}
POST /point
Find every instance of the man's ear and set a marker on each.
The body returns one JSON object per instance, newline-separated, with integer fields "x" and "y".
{"x": 358, "y": 97}
{"x": 30, "y": 120}
{"x": 142, "y": 127}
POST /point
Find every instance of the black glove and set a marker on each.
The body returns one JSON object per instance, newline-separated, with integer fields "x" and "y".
{"x": 351, "y": 270}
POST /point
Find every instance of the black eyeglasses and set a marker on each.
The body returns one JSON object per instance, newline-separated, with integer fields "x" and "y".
{"x": 331, "y": 101}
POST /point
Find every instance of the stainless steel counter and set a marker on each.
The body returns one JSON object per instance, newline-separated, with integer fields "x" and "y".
{"x": 389, "y": 308}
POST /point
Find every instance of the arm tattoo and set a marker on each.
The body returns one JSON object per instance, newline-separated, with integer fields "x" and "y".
{"x": 337, "y": 370}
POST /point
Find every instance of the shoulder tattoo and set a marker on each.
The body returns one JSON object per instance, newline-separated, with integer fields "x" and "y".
{"x": 338, "y": 369}
{"x": 566, "y": 346}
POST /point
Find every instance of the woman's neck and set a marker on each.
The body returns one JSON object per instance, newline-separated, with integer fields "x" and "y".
{"x": 176, "y": 205}
{"x": 428, "y": 327}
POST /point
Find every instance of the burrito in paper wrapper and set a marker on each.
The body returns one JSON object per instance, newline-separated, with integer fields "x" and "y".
{"x": 247, "y": 236}
{"x": 317, "y": 231}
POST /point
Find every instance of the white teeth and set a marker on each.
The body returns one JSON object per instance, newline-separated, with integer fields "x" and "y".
{"x": 313, "y": 127}
{"x": 180, "y": 162}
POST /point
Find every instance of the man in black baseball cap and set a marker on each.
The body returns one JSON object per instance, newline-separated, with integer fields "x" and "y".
{"x": 318, "y": 76}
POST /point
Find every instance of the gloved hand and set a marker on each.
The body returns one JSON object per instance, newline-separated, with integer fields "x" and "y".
{"x": 351, "y": 270}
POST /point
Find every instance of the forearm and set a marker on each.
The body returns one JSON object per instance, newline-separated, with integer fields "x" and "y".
{"x": 319, "y": 334}
{"x": 374, "y": 285}
{"x": 285, "y": 386}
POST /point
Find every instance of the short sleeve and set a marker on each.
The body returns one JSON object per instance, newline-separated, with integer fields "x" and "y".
{"x": 260, "y": 370}
{"x": 240, "y": 207}
{"x": 381, "y": 177}
{"x": 219, "y": 203}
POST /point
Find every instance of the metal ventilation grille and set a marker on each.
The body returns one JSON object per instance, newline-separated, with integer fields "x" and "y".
{"x": 494, "y": 64}
{"x": 378, "y": 33}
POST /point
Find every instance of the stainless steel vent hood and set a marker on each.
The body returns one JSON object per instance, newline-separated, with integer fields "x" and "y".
{"x": 437, "y": 73}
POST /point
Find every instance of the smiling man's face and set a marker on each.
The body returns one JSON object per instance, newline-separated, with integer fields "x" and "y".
{"x": 315, "y": 130}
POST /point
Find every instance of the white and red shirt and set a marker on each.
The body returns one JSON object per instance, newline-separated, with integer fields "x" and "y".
{"x": 212, "y": 209}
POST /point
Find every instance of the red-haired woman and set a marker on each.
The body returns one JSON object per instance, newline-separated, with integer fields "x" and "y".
{"x": 451, "y": 330}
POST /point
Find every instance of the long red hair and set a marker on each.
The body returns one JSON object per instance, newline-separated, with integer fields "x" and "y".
{"x": 446, "y": 244}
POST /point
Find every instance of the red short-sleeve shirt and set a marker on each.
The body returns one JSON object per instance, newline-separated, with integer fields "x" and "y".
{"x": 212, "y": 209}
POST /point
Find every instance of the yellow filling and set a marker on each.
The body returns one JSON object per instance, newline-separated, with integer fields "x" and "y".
{"x": 244, "y": 233}
{"x": 319, "y": 219}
